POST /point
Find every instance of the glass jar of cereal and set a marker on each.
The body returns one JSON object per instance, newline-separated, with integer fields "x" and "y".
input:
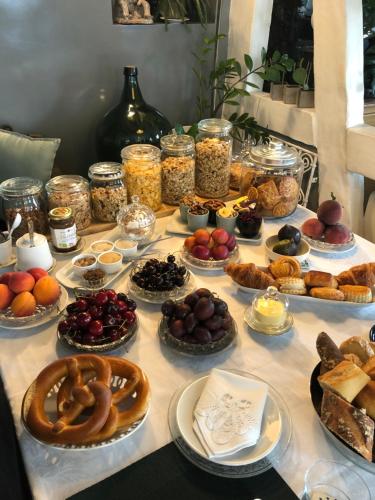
{"x": 177, "y": 167}
{"x": 108, "y": 191}
{"x": 213, "y": 154}
{"x": 143, "y": 173}
{"x": 71, "y": 191}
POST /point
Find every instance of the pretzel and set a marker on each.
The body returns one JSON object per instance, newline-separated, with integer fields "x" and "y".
{"x": 96, "y": 393}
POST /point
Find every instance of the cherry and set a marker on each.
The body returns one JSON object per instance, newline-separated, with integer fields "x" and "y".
{"x": 83, "y": 319}
{"x": 95, "y": 311}
{"x": 121, "y": 306}
{"x": 63, "y": 327}
{"x": 122, "y": 296}
{"x": 72, "y": 321}
{"x": 109, "y": 320}
{"x": 72, "y": 308}
{"x": 117, "y": 317}
{"x": 81, "y": 305}
{"x": 111, "y": 294}
{"x": 89, "y": 339}
{"x": 132, "y": 306}
{"x": 123, "y": 313}
{"x": 114, "y": 334}
{"x": 111, "y": 307}
{"x": 129, "y": 317}
{"x": 96, "y": 328}
{"x": 101, "y": 298}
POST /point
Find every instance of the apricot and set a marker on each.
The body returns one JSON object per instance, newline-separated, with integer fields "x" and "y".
{"x": 6, "y": 296}
{"x": 37, "y": 273}
{"x": 23, "y": 304}
{"x": 46, "y": 291}
{"x": 337, "y": 234}
{"x": 189, "y": 243}
{"x": 313, "y": 228}
{"x": 202, "y": 236}
{"x": 21, "y": 282}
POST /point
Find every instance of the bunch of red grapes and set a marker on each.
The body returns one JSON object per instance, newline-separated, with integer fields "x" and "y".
{"x": 99, "y": 318}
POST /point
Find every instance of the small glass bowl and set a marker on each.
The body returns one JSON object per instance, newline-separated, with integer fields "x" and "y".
{"x": 210, "y": 264}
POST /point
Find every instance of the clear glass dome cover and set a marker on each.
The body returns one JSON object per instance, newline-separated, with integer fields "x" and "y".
{"x": 269, "y": 297}
{"x": 137, "y": 221}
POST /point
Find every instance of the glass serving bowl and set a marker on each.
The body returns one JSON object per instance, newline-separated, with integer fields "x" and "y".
{"x": 324, "y": 247}
{"x": 210, "y": 264}
{"x": 196, "y": 349}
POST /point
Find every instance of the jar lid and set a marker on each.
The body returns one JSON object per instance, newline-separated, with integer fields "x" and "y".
{"x": 274, "y": 154}
{"x": 145, "y": 152}
{"x": 215, "y": 126}
{"x": 70, "y": 183}
{"x": 178, "y": 143}
{"x": 106, "y": 171}
{"x": 60, "y": 213}
{"x": 21, "y": 186}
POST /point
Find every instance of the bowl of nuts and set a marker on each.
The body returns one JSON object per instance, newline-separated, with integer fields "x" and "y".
{"x": 83, "y": 262}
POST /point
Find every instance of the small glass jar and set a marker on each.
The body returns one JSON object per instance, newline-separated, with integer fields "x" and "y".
{"x": 213, "y": 154}
{"x": 136, "y": 221}
{"x": 63, "y": 229}
{"x": 143, "y": 173}
{"x": 24, "y": 195}
{"x": 108, "y": 191}
{"x": 272, "y": 176}
{"x": 269, "y": 312}
{"x": 71, "y": 191}
{"x": 177, "y": 167}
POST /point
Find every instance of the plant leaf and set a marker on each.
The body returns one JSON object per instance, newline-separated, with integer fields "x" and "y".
{"x": 299, "y": 75}
{"x": 179, "y": 129}
{"x": 248, "y": 62}
{"x": 232, "y": 103}
{"x": 263, "y": 55}
{"x": 276, "y": 56}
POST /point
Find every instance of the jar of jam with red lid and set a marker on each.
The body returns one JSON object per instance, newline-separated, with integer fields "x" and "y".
{"x": 63, "y": 229}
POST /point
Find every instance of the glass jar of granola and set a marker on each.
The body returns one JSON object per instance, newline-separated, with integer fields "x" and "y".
{"x": 177, "y": 167}
{"x": 71, "y": 191}
{"x": 108, "y": 191}
{"x": 213, "y": 154}
{"x": 24, "y": 195}
{"x": 143, "y": 173}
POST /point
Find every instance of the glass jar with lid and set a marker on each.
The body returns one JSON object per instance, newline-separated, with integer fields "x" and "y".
{"x": 213, "y": 154}
{"x": 71, "y": 191}
{"x": 24, "y": 195}
{"x": 143, "y": 173}
{"x": 136, "y": 221}
{"x": 177, "y": 167}
{"x": 272, "y": 176}
{"x": 108, "y": 191}
{"x": 63, "y": 229}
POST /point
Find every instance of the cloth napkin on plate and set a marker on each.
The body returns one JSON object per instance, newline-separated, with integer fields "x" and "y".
{"x": 228, "y": 415}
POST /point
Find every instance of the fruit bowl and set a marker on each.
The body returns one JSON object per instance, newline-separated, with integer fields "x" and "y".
{"x": 302, "y": 254}
{"x": 210, "y": 264}
{"x": 324, "y": 247}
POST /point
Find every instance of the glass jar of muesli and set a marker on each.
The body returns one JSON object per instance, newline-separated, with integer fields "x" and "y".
{"x": 108, "y": 191}
{"x": 71, "y": 191}
{"x": 143, "y": 173}
{"x": 24, "y": 195}
{"x": 213, "y": 154}
{"x": 177, "y": 167}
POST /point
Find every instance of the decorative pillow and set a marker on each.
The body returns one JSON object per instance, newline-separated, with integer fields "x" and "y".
{"x": 21, "y": 155}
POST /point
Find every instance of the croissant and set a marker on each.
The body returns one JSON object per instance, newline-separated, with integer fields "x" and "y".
{"x": 363, "y": 274}
{"x": 249, "y": 275}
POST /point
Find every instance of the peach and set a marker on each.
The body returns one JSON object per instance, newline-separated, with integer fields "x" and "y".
{"x": 46, "y": 291}
{"x": 220, "y": 252}
{"x": 201, "y": 252}
{"x": 337, "y": 234}
{"x": 6, "y": 296}
{"x": 4, "y": 278}
{"x": 37, "y": 273}
{"x": 202, "y": 236}
{"x": 21, "y": 282}
{"x": 330, "y": 211}
{"x": 313, "y": 228}
{"x": 189, "y": 243}
{"x": 24, "y": 304}
{"x": 231, "y": 243}
{"x": 220, "y": 236}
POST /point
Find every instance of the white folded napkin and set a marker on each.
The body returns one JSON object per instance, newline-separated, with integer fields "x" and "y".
{"x": 228, "y": 415}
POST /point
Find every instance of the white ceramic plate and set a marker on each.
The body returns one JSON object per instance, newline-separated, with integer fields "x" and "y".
{"x": 68, "y": 278}
{"x": 177, "y": 226}
{"x": 270, "y": 431}
{"x": 40, "y": 320}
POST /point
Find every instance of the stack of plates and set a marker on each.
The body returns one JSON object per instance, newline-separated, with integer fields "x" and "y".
{"x": 272, "y": 444}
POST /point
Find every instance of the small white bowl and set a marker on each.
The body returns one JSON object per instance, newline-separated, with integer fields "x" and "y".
{"x": 101, "y": 246}
{"x": 302, "y": 252}
{"x": 80, "y": 270}
{"x": 129, "y": 247}
{"x": 104, "y": 262}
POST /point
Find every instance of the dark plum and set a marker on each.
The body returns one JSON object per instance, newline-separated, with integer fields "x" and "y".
{"x": 213, "y": 323}
{"x": 221, "y": 307}
{"x": 182, "y": 310}
{"x": 191, "y": 299}
{"x": 202, "y": 335}
{"x": 190, "y": 322}
{"x": 204, "y": 308}
{"x": 227, "y": 321}
{"x": 168, "y": 308}
{"x": 177, "y": 328}
{"x": 190, "y": 339}
{"x": 203, "y": 292}
{"x": 218, "y": 334}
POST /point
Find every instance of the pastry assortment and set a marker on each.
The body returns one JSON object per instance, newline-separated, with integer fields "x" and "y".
{"x": 327, "y": 227}
{"x": 98, "y": 319}
{"x": 204, "y": 245}
{"x": 348, "y": 382}
{"x": 85, "y": 391}
{"x": 285, "y": 273}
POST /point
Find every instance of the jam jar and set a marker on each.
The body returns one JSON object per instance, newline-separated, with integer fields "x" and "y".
{"x": 63, "y": 229}
{"x": 272, "y": 176}
{"x": 213, "y": 154}
{"x": 24, "y": 195}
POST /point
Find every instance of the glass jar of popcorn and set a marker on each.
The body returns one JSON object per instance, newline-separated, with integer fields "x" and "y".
{"x": 71, "y": 191}
{"x": 177, "y": 167}
{"x": 143, "y": 173}
{"x": 108, "y": 191}
{"x": 213, "y": 154}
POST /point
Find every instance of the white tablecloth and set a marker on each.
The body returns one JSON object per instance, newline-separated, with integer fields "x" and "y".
{"x": 285, "y": 362}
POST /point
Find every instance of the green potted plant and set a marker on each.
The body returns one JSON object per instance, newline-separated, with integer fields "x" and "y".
{"x": 290, "y": 91}
{"x": 275, "y": 69}
{"x": 176, "y": 10}
{"x": 301, "y": 75}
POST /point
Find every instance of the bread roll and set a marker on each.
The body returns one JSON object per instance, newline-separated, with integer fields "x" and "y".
{"x": 327, "y": 293}
{"x": 320, "y": 279}
{"x": 350, "y": 424}
{"x": 369, "y": 367}
{"x": 328, "y": 351}
{"x": 357, "y": 293}
{"x": 346, "y": 380}
{"x": 354, "y": 359}
{"x": 366, "y": 399}
{"x": 359, "y": 346}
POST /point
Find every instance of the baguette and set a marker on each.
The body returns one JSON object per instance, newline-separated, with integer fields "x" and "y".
{"x": 346, "y": 379}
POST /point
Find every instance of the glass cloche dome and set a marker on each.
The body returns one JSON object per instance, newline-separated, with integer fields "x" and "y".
{"x": 136, "y": 221}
